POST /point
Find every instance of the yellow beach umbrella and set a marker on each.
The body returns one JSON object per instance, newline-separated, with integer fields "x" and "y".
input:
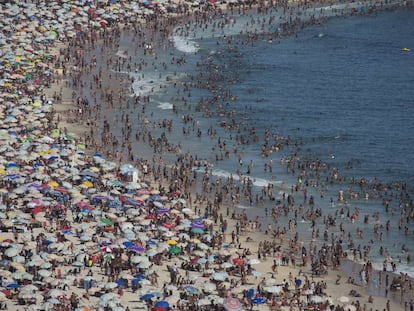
{"x": 53, "y": 184}
{"x": 87, "y": 184}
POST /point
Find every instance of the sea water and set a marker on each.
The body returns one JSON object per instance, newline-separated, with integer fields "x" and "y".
{"x": 341, "y": 92}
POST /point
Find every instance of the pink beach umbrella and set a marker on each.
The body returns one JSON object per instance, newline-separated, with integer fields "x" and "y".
{"x": 232, "y": 304}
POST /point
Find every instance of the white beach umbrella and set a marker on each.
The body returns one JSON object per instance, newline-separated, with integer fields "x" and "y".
{"x": 343, "y": 299}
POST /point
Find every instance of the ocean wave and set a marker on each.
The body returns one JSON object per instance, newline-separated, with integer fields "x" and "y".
{"x": 185, "y": 45}
{"x": 257, "y": 182}
{"x": 150, "y": 84}
{"x": 165, "y": 106}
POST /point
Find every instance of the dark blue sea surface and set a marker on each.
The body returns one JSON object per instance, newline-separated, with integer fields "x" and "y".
{"x": 341, "y": 92}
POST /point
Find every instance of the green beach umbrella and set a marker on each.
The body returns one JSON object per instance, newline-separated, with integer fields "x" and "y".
{"x": 81, "y": 146}
{"x": 197, "y": 230}
{"x": 116, "y": 183}
{"x": 174, "y": 250}
{"x": 107, "y": 221}
{"x": 55, "y": 132}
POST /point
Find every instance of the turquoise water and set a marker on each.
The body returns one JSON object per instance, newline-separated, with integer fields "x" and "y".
{"x": 340, "y": 92}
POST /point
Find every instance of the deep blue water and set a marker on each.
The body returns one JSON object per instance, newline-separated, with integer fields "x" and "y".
{"x": 343, "y": 91}
{"x": 347, "y": 79}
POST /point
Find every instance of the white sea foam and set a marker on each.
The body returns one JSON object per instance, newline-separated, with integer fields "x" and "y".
{"x": 257, "y": 182}
{"x": 150, "y": 84}
{"x": 121, "y": 54}
{"x": 185, "y": 45}
{"x": 165, "y": 106}
{"x": 243, "y": 206}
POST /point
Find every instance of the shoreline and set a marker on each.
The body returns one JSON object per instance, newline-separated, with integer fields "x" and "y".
{"x": 283, "y": 272}
{"x": 227, "y": 9}
{"x": 348, "y": 262}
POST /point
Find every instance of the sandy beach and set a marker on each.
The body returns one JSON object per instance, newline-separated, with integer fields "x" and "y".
{"x": 86, "y": 227}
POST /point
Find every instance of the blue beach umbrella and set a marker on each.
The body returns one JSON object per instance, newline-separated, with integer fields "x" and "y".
{"x": 121, "y": 283}
{"x": 250, "y": 293}
{"x": 258, "y": 301}
{"x": 128, "y": 244}
{"x": 162, "y": 304}
{"x": 140, "y": 276}
{"x": 13, "y": 285}
{"x": 147, "y": 297}
{"x": 191, "y": 289}
{"x": 132, "y": 202}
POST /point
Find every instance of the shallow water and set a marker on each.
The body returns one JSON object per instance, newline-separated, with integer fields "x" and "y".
{"x": 342, "y": 91}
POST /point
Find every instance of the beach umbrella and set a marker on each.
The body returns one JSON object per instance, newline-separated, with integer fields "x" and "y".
{"x": 308, "y": 292}
{"x": 201, "y": 261}
{"x": 343, "y": 299}
{"x": 172, "y": 242}
{"x": 18, "y": 265}
{"x": 151, "y": 253}
{"x": 349, "y": 307}
{"x": 184, "y": 236}
{"x": 197, "y": 224}
{"x": 203, "y": 302}
{"x": 162, "y": 304}
{"x": 191, "y": 289}
{"x": 270, "y": 282}
{"x": 203, "y": 246}
{"x": 226, "y": 265}
{"x": 238, "y": 261}
{"x": 232, "y": 304}
{"x": 316, "y": 299}
{"x": 109, "y": 285}
{"x": 109, "y": 297}
{"x": 13, "y": 285}
{"x": 174, "y": 250}
{"x": 254, "y": 261}
{"x": 11, "y": 252}
{"x": 44, "y": 273}
{"x": 256, "y": 274}
{"x": 197, "y": 230}
{"x": 258, "y": 301}
{"x": 21, "y": 275}
{"x": 199, "y": 253}
{"x": 55, "y": 293}
{"x": 144, "y": 265}
{"x": 137, "y": 249}
{"x": 219, "y": 276}
{"x": 275, "y": 289}
{"x": 209, "y": 287}
{"x": 89, "y": 173}
{"x": 18, "y": 260}
{"x": 106, "y": 249}
{"x": 146, "y": 297}
{"x": 77, "y": 264}
{"x": 128, "y": 244}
